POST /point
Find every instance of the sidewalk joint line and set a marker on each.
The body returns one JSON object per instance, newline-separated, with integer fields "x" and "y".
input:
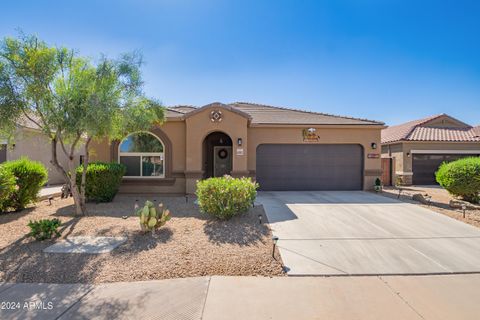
{"x": 73, "y": 304}
{"x": 206, "y": 296}
{"x": 401, "y": 298}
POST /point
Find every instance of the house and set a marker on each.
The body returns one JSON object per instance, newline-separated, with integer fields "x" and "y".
{"x": 29, "y": 141}
{"x": 282, "y": 148}
{"x": 414, "y": 150}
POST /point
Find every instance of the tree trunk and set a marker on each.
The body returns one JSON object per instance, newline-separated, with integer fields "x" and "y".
{"x": 69, "y": 178}
{"x": 86, "y": 159}
{"x": 79, "y": 209}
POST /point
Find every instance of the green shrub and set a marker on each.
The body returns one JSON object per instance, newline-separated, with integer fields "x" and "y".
{"x": 461, "y": 178}
{"x": 44, "y": 229}
{"x": 30, "y": 177}
{"x": 225, "y": 197}
{"x": 102, "y": 181}
{"x": 7, "y": 187}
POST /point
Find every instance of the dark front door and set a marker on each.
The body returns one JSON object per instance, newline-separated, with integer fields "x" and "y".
{"x": 222, "y": 160}
{"x": 217, "y": 155}
{"x": 3, "y": 153}
{"x": 424, "y": 166}
{"x": 309, "y": 167}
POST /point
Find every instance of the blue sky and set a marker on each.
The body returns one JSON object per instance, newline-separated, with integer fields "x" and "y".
{"x": 379, "y": 59}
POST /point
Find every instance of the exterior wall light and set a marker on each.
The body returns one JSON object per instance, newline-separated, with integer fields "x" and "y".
{"x": 239, "y": 141}
{"x": 408, "y": 154}
{"x": 373, "y": 145}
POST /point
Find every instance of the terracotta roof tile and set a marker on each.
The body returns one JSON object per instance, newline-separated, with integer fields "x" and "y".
{"x": 418, "y": 131}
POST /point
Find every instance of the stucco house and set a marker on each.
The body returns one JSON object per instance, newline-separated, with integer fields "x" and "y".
{"x": 281, "y": 148}
{"x": 29, "y": 141}
{"x": 414, "y": 150}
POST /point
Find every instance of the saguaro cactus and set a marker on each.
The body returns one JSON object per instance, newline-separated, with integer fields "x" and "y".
{"x": 152, "y": 218}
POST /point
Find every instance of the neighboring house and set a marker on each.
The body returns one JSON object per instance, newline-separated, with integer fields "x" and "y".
{"x": 29, "y": 141}
{"x": 283, "y": 149}
{"x": 414, "y": 150}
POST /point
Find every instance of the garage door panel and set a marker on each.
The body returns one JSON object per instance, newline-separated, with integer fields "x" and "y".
{"x": 309, "y": 167}
{"x": 424, "y": 166}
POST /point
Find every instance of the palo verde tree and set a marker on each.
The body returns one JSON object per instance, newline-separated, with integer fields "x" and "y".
{"x": 72, "y": 99}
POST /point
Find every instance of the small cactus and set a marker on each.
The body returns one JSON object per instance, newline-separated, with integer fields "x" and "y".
{"x": 152, "y": 218}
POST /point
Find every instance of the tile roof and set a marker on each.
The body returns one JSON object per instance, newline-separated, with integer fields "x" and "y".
{"x": 27, "y": 122}
{"x": 419, "y": 130}
{"x": 264, "y": 114}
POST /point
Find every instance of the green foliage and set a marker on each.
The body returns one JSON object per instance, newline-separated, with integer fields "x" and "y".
{"x": 226, "y": 196}
{"x": 461, "y": 178}
{"x": 30, "y": 177}
{"x": 72, "y": 99}
{"x": 378, "y": 182}
{"x": 102, "y": 180}
{"x": 44, "y": 229}
{"x": 150, "y": 218}
{"x": 399, "y": 181}
{"x": 7, "y": 187}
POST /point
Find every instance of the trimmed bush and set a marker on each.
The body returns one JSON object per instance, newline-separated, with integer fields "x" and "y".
{"x": 30, "y": 177}
{"x": 7, "y": 187}
{"x": 44, "y": 229}
{"x": 226, "y": 196}
{"x": 102, "y": 181}
{"x": 461, "y": 178}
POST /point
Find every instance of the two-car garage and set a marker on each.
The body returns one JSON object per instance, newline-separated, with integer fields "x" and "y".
{"x": 301, "y": 167}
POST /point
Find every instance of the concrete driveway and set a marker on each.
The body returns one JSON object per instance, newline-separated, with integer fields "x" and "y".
{"x": 360, "y": 233}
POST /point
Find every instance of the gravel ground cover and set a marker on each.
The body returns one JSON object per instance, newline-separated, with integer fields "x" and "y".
{"x": 191, "y": 244}
{"x": 440, "y": 199}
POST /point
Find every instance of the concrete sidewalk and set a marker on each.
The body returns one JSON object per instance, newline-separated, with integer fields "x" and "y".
{"x": 385, "y": 297}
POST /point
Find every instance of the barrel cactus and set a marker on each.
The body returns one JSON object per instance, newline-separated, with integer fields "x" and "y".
{"x": 152, "y": 218}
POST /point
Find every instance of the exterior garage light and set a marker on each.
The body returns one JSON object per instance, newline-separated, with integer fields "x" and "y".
{"x": 373, "y": 145}
{"x": 239, "y": 141}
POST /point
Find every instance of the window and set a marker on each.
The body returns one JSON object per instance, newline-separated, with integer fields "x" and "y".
{"x": 143, "y": 155}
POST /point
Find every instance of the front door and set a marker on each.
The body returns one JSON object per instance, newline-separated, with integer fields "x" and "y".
{"x": 222, "y": 160}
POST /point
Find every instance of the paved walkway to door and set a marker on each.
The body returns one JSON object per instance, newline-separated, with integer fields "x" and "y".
{"x": 360, "y": 233}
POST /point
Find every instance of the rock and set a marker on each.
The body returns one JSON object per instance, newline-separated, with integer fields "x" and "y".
{"x": 457, "y": 204}
{"x": 423, "y": 198}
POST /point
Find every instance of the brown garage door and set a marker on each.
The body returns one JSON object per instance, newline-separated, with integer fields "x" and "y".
{"x": 309, "y": 167}
{"x": 424, "y": 166}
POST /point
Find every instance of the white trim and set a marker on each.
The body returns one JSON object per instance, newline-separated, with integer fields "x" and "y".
{"x": 404, "y": 173}
{"x": 445, "y": 151}
{"x": 141, "y": 155}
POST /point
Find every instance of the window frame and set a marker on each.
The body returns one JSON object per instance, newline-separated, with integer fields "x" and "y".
{"x": 141, "y": 155}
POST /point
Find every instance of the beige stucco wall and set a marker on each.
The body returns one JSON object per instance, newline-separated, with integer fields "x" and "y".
{"x": 198, "y": 126}
{"x": 186, "y": 151}
{"x": 402, "y": 154}
{"x": 173, "y": 135}
{"x": 328, "y": 135}
{"x": 36, "y": 146}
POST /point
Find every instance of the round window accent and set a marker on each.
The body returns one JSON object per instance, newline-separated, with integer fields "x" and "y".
{"x": 222, "y": 153}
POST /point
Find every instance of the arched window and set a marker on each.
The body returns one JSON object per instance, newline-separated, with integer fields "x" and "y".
{"x": 142, "y": 153}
